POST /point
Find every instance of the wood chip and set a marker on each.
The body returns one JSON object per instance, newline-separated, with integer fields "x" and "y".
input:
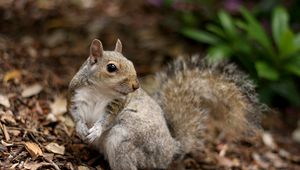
{"x": 55, "y": 148}
{"x": 32, "y": 90}
{"x": 268, "y": 140}
{"x": 83, "y": 168}
{"x": 4, "y": 101}
{"x": 4, "y": 131}
{"x": 33, "y": 149}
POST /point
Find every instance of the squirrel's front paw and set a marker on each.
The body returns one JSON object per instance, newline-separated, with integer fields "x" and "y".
{"x": 94, "y": 133}
{"x": 82, "y": 130}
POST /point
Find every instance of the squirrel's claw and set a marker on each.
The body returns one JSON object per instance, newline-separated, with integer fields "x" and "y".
{"x": 94, "y": 133}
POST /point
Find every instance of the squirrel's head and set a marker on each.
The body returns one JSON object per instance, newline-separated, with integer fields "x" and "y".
{"x": 111, "y": 71}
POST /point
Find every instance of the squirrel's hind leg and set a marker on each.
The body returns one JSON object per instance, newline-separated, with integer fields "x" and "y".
{"x": 120, "y": 152}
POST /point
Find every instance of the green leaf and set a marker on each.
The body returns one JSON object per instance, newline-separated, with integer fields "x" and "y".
{"x": 256, "y": 32}
{"x": 264, "y": 70}
{"x": 241, "y": 24}
{"x": 216, "y": 30}
{"x": 293, "y": 65}
{"x": 227, "y": 24}
{"x": 286, "y": 43}
{"x": 200, "y": 36}
{"x": 219, "y": 52}
{"x": 297, "y": 41}
{"x": 280, "y": 20}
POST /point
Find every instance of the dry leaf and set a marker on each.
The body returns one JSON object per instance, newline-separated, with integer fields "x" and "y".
{"x": 296, "y": 133}
{"x": 99, "y": 167}
{"x": 268, "y": 140}
{"x": 223, "y": 149}
{"x": 55, "y": 148}
{"x": 69, "y": 122}
{"x": 14, "y": 166}
{"x": 51, "y": 117}
{"x": 228, "y": 162}
{"x": 4, "y": 101}
{"x": 32, "y": 90}
{"x": 33, "y": 149}
{"x": 83, "y": 168}
{"x": 48, "y": 156}
{"x": 35, "y": 165}
{"x": 14, "y": 74}
{"x": 70, "y": 166}
{"x": 257, "y": 158}
{"x": 8, "y": 117}
{"x": 284, "y": 154}
{"x": 59, "y": 106}
{"x": 276, "y": 160}
{"x": 14, "y": 132}
{"x": 4, "y": 131}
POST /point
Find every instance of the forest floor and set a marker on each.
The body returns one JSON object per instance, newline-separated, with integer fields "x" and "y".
{"x": 43, "y": 43}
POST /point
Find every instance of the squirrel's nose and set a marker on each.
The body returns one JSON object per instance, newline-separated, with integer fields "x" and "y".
{"x": 135, "y": 85}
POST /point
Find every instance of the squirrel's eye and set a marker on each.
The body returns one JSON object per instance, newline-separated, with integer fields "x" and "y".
{"x": 111, "y": 68}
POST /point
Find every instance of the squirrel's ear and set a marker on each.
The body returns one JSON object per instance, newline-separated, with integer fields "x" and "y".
{"x": 118, "y": 47}
{"x": 96, "y": 50}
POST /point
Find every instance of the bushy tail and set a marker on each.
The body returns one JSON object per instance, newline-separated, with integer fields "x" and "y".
{"x": 195, "y": 94}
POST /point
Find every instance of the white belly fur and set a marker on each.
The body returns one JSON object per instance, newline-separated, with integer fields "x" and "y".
{"x": 91, "y": 104}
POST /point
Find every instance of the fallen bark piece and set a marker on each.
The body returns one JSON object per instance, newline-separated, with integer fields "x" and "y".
{"x": 4, "y": 101}
{"x": 32, "y": 90}
{"x": 55, "y": 148}
{"x": 33, "y": 149}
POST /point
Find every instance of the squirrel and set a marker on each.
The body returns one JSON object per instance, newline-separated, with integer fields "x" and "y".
{"x": 136, "y": 131}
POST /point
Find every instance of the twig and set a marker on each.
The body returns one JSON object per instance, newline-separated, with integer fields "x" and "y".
{"x": 25, "y": 129}
{"x": 4, "y": 131}
{"x": 52, "y": 163}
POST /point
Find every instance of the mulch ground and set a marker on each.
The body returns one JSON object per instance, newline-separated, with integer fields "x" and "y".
{"x": 43, "y": 43}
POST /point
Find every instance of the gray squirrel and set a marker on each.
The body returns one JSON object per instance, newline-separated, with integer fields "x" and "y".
{"x": 135, "y": 131}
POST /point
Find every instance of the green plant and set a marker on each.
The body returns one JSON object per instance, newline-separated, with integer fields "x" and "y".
{"x": 272, "y": 60}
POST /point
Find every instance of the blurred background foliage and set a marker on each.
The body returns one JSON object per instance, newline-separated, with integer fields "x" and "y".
{"x": 260, "y": 36}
